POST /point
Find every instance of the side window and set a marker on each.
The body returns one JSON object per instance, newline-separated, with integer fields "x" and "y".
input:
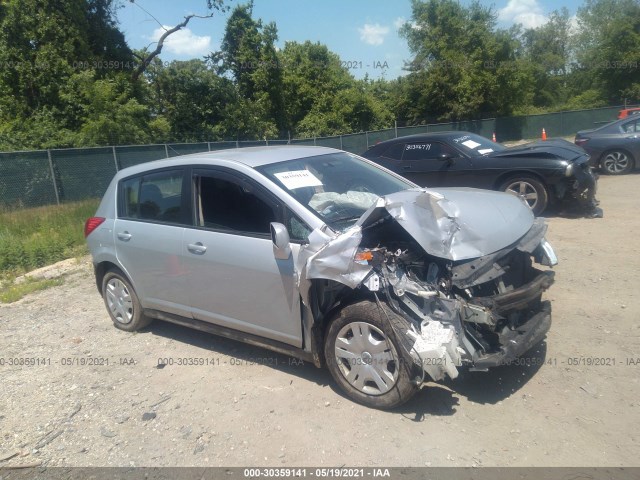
{"x": 631, "y": 127}
{"x": 419, "y": 151}
{"x": 426, "y": 150}
{"x": 394, "y": 152}
{"x": 298, "y": 230}
{"x": 226, "y": 204}
{"x": 156, "y": 196}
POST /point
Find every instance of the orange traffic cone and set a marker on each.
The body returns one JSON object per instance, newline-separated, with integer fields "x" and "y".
{"x": 494, "y": 136}
{"x": 544, "y": 134}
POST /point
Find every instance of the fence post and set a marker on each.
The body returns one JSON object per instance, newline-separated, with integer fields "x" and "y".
{"x": 166, "y": 150}
{"x": 53, "y": 177}
{"x": 237, "y": 144}
{"x": 395, "y": 126}
{"x": 366, "y": 135}
{"x": 209, "y": 146}
{"x": 341, "y": 148}
{"x": 115, "y": 157}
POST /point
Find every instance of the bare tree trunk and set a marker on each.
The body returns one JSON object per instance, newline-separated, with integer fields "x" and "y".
{"x": 144, "y": 62}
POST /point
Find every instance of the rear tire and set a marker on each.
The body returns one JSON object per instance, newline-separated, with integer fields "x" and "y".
{"x": 365, "y": 359}
{"x": 616, "y": 162}
{"x": 530, "y": 189}
{"x": 122, "y": 302}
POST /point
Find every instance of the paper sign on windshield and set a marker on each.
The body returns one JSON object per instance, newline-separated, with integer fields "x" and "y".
{"x": 298, "y": 179}
{"x": 484, "y": 151}
{"x": 471, "y": 144}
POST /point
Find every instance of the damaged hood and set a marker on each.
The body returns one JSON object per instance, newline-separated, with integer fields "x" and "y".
{"x": 454, "y": 223}
{"x": 450, "y": 223}
{"x": 553, "y": 148}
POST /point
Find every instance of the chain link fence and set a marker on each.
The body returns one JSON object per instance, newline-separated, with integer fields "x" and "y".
{"x": 46, "y": 177}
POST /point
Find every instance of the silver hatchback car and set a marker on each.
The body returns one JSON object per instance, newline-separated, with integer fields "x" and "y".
{"x": 328, "y": 257}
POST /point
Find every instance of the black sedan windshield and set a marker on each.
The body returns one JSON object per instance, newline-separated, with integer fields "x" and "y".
{"x": 475, "y": 145}
{"x": 337, "y": 187}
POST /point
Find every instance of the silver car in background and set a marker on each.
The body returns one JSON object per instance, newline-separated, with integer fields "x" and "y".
{"x": 325, "y": 256}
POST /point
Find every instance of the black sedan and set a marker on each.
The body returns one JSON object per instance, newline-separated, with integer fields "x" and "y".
{"x": 541, "y": 173}
{"x": 615, "y": 147}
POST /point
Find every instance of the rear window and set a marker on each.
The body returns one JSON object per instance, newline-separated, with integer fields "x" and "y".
{"x": 155, "y": 197}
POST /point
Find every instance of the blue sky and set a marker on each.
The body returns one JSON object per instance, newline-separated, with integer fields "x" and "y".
{"x": 364, "y": 33}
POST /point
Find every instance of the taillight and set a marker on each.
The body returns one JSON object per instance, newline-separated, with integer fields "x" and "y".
{"x": 580, "y": 141}
{"x": 91, "y": 224}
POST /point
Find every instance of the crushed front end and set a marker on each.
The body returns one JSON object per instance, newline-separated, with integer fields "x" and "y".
{"x": 466, "y": 285}
{"x": 478, "y": 313}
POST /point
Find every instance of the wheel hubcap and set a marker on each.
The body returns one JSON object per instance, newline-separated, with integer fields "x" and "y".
{"x": 119, "y": 301}
{"x": 366, "y": 359}
{"x": 615, "y": 162}
{"x": 525, "y": 191}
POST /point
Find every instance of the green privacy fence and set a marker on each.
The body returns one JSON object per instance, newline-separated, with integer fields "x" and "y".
{"x": 45, "y": 177}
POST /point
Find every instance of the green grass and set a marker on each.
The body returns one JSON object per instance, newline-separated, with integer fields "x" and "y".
{"x": 16, "y": 291}
{"x": 34, "y": 237}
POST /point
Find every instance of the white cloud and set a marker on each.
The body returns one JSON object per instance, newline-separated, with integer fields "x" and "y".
{"x": 373, "y": 34}
{"x": 527, "y": 12}
{"x": 399, "y": 22}
{"x": 574, "y": 26}
{"x": 184, "y": 42}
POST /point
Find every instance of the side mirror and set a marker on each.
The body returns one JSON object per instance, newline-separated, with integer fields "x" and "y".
{"x": 280, "y": 239}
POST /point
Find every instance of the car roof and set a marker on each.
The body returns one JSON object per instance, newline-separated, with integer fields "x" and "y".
{"x": 613, "y": 126}
{"x": 249, "y": 156}
{"x": 422, "y": 136}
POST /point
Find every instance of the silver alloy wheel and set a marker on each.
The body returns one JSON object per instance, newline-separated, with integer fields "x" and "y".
{"x": 119, "y": 301}
{"x": 368, "y": 361}
{"x": 615, "y": 162}
{"x": 525, "y": 191}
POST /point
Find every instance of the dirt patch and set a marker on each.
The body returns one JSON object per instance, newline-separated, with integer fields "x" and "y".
{"x": 56, "y": 270}
{"x": 92, "y": 395}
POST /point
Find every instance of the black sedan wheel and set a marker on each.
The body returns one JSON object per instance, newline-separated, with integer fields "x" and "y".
{"x": 530, "y": 190}
{"x": 616, "y": 162}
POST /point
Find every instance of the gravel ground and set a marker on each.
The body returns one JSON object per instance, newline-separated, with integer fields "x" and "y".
{"x": 92, "y": 395}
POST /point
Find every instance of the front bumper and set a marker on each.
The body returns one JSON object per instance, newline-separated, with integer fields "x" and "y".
{"x": 578, "y": 193}
{"x": 516, "y": 342}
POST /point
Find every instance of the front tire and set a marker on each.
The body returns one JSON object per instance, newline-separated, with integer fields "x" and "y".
{"x": 616, "y": 162}
{"x": 365, "y": 358}
{"x": 122, "y": 302}
{"x": 529, "y": 189}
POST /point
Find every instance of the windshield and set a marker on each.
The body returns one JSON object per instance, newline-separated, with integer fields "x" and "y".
{"x": 475, "y": 145}
{"x": 337, "y": 187}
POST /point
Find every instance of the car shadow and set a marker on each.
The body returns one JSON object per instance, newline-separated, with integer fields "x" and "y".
{"x": 240, "y": 352}
{"x": 490, "y": 387}
{"x": 433, "y": 399}
{"x": 501, "y": 382}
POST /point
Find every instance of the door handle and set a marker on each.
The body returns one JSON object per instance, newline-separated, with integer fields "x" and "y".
{"x": 197, "y": 248}
{"x": 406, "y": 167}
{"x": 124, "y": 236}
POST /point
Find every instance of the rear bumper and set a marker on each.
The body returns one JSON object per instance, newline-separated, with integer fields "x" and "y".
{"x": 514, "y": 343}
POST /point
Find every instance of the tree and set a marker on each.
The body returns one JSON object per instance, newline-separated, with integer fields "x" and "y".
{"x": 248, "y": 54}
{"x": 463, "y": 67}
{"x": 312, "y": 75}
{"x": 105, "y": 111}
{"x": 43, "y": 45}
{"x": 548, "y": 50}
{"x": 608, "y": 47}
{"x": 195, "y": 102}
